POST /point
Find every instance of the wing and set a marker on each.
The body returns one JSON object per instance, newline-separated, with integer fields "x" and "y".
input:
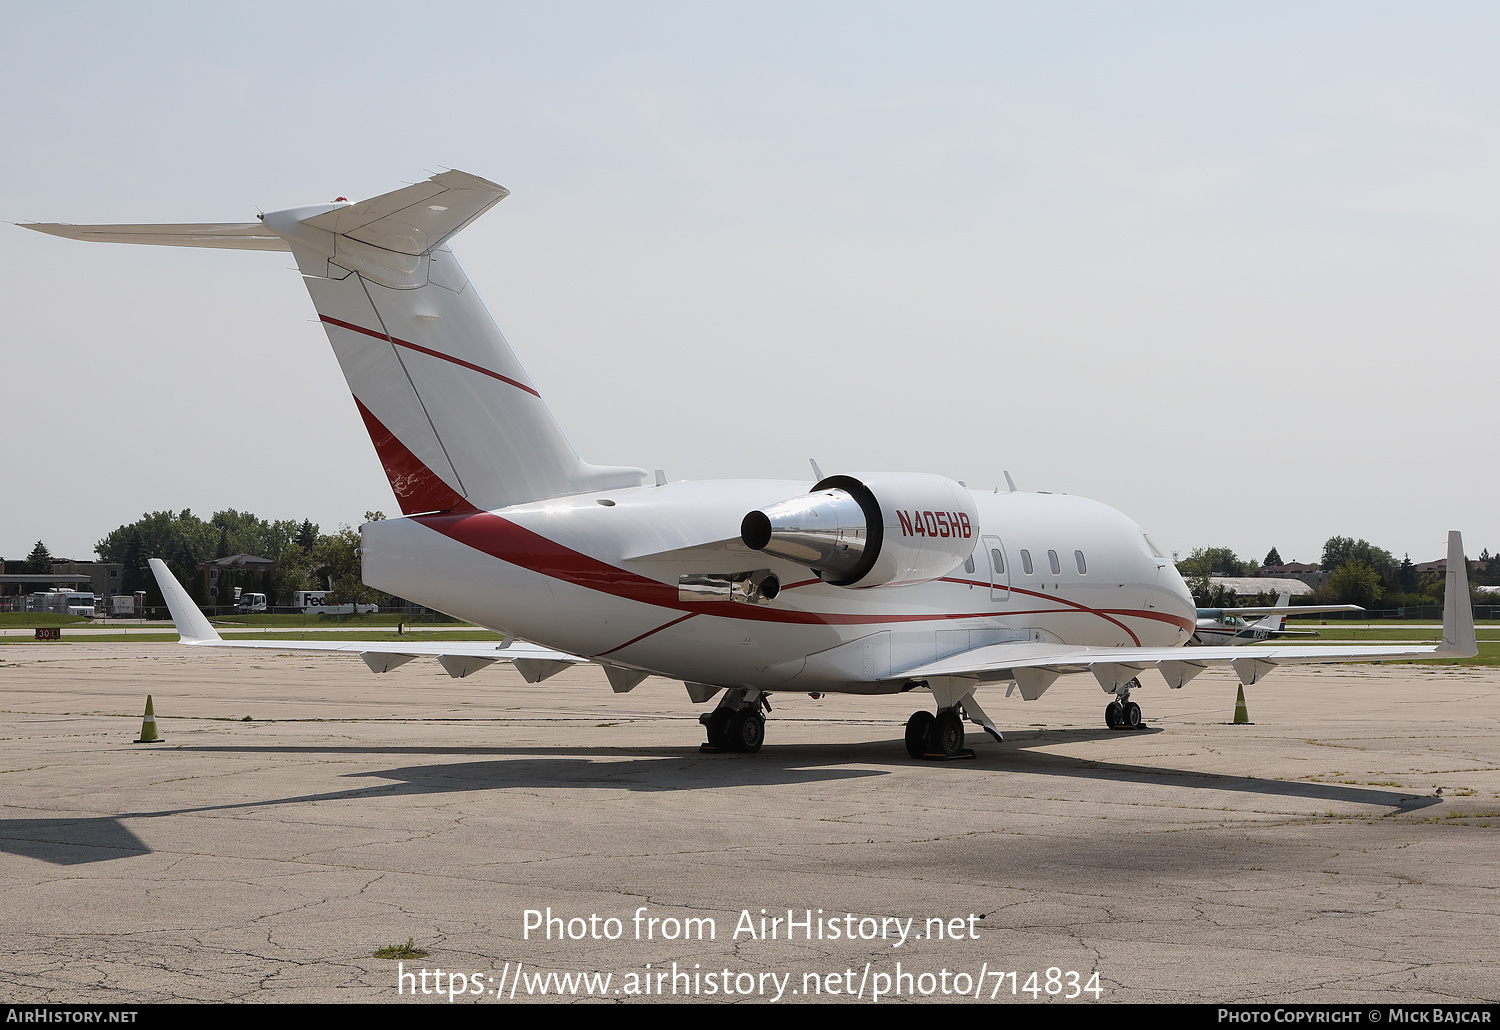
{"x": 459, "y": 658}
{"x": 1034, "y": 665}
{"x": 1278, "y": 609}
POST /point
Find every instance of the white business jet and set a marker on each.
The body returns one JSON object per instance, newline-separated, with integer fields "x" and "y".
{"x": 864, "y": 583}
{"x": 1232, "y": 625}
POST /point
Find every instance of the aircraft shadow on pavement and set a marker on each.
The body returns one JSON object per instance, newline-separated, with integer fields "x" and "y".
{"x": 70, "y": 841}
{"x": 678, "y": 768}
{"x": 65, "y": 841}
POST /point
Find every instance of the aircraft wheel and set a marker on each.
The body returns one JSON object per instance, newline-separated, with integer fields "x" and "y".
{"x": 946, "y": 735}
{"x": 718, "y": 728}
{"x": 917, "y": 728}
{"x": 747, "y": 730}
{"x": 1131, "y": 717}
{"x": 1113, "y": 715}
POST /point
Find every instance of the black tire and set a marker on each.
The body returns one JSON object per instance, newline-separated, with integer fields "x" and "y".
{"x": 747, "y": 731}
{"x": 1131, "y": 717}
{"x": 917, "y": 728}
{"x": 1113, "y": 715}
{"x": 946, "y": 735}
{"x": 718, "y": 728}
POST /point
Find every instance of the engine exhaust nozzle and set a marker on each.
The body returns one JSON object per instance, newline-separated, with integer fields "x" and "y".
{"x": 827, "y": 530}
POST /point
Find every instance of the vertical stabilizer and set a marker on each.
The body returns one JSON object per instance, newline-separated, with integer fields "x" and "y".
{"x": 456, "y": 420}
{"x": 452, "y": 413}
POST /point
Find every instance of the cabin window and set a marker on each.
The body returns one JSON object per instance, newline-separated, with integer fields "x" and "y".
{"x": 997, "y": 561}
{"x": 1083, "y": 566}
{"x": 1026, "y": 561}
{"x": 1052, "y": 561}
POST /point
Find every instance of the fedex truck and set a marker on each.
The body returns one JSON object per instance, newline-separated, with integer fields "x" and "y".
{"x": 311, "y": 603}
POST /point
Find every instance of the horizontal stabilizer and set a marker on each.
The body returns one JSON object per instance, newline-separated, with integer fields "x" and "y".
{"x": 218, "y": 236}
{"x": 417, "y": 218}
{"x": 459, "y": 658}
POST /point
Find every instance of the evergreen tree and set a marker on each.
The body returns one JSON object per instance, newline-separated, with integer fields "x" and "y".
{"x": 307, "y": 536}
{"x": 1273, "y": 557}
{"x": 1406, "y": 576}
{"x": 39, "y": 561}
{"x": 137, "y": 573}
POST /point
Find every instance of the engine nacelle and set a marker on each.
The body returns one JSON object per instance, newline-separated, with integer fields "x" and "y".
{"x": 870, "y": 531}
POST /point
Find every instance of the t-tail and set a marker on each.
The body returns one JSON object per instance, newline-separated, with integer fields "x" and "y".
{"x": 454, "y": 417}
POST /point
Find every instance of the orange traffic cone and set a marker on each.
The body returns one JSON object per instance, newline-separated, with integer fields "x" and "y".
{"x": 148, "y": 725}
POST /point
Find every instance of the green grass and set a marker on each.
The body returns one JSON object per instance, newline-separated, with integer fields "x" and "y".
{"x": 1400, "y": 631}
{"x": 407, "y": 950}
{"x": 169, "y": 634}
{"x": 381, "y": 619}
{"x": 24, "y": 620}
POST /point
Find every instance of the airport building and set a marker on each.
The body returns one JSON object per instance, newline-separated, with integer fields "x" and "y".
{"x": 99, "y": 578}
{"x": 227, "y": 573}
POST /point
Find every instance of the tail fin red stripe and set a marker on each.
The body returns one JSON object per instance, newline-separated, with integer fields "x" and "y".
{"x": 427, "y": 350}
{"x": 417, "y": 488}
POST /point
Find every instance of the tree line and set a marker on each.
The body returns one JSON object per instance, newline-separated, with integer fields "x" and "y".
{"x": 306, "y": 559}
{"x": 1359, "y": 573}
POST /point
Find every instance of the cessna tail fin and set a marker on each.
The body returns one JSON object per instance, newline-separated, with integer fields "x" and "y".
{"x": 453, "y": 415}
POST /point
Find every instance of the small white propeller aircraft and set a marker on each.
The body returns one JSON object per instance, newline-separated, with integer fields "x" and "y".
{"x": 865, "y": 583}
{"x": 1229, "y": 625}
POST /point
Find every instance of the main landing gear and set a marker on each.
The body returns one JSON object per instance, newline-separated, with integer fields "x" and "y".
{"x": 738, "y": 723}
{"x": 1123, "y": 713}
{"x": 937, "y": 736}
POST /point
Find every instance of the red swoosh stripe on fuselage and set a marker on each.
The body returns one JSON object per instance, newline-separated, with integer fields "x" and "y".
{"x": 500, "y": 538}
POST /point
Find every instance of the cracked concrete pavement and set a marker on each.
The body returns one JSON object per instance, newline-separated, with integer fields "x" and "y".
{"x": 1304, "y": 858}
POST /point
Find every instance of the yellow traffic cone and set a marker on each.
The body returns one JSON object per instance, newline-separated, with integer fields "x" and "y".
{"x": 148, "y": 725}
{"x": 1241, "y": 713}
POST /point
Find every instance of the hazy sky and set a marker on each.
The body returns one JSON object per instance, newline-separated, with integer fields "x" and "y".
{"x": 1230, "y": 269}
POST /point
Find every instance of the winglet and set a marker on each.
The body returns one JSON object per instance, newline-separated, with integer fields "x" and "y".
{"x": 192, "y": 626}
{"x": 1459, "y": 640}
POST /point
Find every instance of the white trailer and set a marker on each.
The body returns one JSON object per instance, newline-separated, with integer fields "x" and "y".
{"x": 311, "y": 603}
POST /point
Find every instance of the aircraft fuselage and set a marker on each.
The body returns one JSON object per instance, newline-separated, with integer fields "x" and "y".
{"x": 601, "y": 579}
